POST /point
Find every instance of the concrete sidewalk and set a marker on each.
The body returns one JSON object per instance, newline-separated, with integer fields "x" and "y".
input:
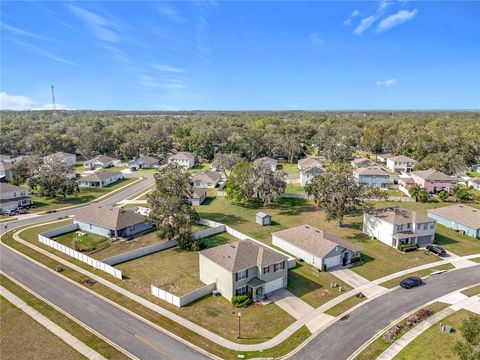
{"x": 356, "y": 281}
{"x": 458, "y": 262}
{"x": 54, "y": 328}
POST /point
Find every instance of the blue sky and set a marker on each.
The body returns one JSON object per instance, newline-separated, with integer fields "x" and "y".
{"x": 241, "y": 55}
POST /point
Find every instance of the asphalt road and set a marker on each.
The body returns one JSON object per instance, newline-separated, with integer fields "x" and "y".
{"x": 135, "y": 336}
{"x": 344, "y": 337}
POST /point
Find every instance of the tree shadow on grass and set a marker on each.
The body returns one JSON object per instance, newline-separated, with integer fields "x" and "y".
{"x": 300, "y": 285}
{"x": 224, "y": 218}
{"x": 444, "y": 240}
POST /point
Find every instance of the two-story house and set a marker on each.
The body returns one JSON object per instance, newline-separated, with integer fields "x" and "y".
{"x": 12, "y": 197}
{"x": 5, "y": 171}
{"x": 205, "y": 179}
{"x": 398, "y": 226}
{"x": 243, "y": 267}
{"x": 400, "y": 163}
{"x": 433, "y": 180}
{"x": 307, "y": 173}
{"x": 372, "y": 177}
{"x": 183, "y": 159}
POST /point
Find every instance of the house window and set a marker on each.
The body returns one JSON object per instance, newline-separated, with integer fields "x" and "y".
{"x": 408, "y": 226}
{"x": 432, "y": 225}
{"x": 278, "y": 267}
{"x": 241, "y": 290}
{"x": 266, "y": 269}
{"x": 241, "y": 275}
{"x": 425, "y": 226}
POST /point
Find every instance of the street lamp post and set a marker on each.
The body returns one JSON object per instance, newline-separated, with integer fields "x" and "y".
{"x": 239, "y": 317}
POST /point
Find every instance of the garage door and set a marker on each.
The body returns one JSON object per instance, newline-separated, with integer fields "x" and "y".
{"x": 273, "y": 285}
{"x": 423, "y": 241}
{"x": 332, "y": 261}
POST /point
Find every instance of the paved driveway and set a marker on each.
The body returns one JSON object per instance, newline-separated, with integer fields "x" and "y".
{"x": 354, "y": 280}
{"x": 290, "y": 303}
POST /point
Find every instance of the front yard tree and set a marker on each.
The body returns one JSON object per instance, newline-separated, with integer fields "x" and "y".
{"x": 337, "y": 192}
{"x": 171, "y": 209}
{"x": 268, "y": 185}
{"x": 225, "y": 162}
{"x": 469, "y": 347}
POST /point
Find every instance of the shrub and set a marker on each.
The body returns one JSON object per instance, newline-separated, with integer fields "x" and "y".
{"x": 242, "y": 301}
{"x": 408, "y": 247}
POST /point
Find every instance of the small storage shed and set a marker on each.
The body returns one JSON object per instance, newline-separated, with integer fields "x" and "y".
{"x": 263, "y": 219}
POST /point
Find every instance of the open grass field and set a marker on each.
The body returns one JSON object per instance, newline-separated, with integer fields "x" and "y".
{"x": 312, "y": 286}
{"x": 85, "y": 195}
{"x": 435, "y": 344}
{"x": 288, "y": 168}
{"x": 379, "y": 259}
{"x": 295, "y": 189}
{"x": 174, "y": 270}
{"x": 24, "y": 338}
{"x": 472, "y": 291}
{"x": 120, "y": 247}
{"x": 87, "y": 243}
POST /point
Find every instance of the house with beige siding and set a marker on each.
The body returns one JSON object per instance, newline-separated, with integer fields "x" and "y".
{"x": 100, "y": 178}
{"x": 243, "y": 267}
{"x": 364, "y": 162}
{"x": 183, "y": 159}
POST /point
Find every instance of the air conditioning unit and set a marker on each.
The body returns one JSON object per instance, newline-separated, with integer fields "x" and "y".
{"x": 216, "y": 293}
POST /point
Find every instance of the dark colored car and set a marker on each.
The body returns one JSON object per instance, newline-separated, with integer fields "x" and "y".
{"x": 438, "y": 250}
{"x": 411, "y": 282}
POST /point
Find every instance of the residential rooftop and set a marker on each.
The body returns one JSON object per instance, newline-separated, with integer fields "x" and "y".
{"x": 432, "y": 174}
{"x": 6, "y": 188}
{"x": 460, "y": 213}
{"x": 371, "y": 171}
{"x": 206, "y": 175}
{"x": 182, "y": 155}
{"x": 400, "y": 216}
{"x": 100, "y": 175}
{"x": 401, "y": 158}
{"x": 308, "y": 162}
{"x": 109, "y": 217}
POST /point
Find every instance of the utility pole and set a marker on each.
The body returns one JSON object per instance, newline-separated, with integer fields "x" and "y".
{"x": 54, "y": 105}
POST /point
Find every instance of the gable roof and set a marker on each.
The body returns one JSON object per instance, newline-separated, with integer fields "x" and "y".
{"x": 308, "y": 161}
{"x": 312, "y": 169}
{"x": 150, "y": 160}
{"x": 313, "y": 240}
{"x": 100, "y": 175}
{"x": 267, "y": 160}
{"x": 432, "y": 174}
{"x": 460, "y": 213}
{"x": 262, "y": 214}
{"x": 6, "y": 188}
{"x": 109, "y": 217}
{"x": 206, "y": 175}
{"x": 363, "y": 162}
{"x": 400, "y": 216}
{"x": 401, "y": 158}
{"x": 243, "y": 254}
{"x": 182, "y": 155}
{"x": 60, "y": 154}
{"x": 371, "y": 172}
{"x": 103, "y": 159}
{"x": 197, "y": 193}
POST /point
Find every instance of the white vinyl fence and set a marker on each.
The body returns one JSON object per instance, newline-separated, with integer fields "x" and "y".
{"x": 44, "y": 239}
{"x": 134, "y": 254}
{"x": 183, "y": 300}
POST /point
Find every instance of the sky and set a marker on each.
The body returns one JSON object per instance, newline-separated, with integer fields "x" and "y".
{"x": 242, "y": 55}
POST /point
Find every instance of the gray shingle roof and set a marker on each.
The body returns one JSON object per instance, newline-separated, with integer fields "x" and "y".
{"x": 460, "y": 213}
{"x": 371, "y": 171}
{"x": 432, "y": 174}
{"x": 100, "y": 175}
{"x": 400, "y": 216}
{"x": 206, "y": 175}
{"x": 313, "y": 240}
{"x": 197, "y": 193}
{"x": 6, "y": 166}
{"x": 243, "y": 254}
{"x": 401, "y": 158}
{"x": 109, "y": 217}
{"x": 182, "y": 155}
{"x": 307, "y": 162}
{"x": 6, "y": 188}
{"x": 102, "y": 158}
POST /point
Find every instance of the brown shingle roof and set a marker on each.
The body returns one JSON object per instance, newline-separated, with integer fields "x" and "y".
{"x": 432, "y": 174}
{"x": 100, "y": 175}
{"x": 401, "y": 158}
{"x": 363, "y": 162}
{"x": 197, "y": 193}
{"x": 243, "y": 254}
{"x": 460, "y": 213}
{"x": 6, "y": 188}
{"x": 370, "y": 171}
{"x": 206, "y": 175}
{"x": 307, "y": 162}
{"x": 109, "y": 217}
{"x": 182, "y": 155}
{"x": 313, "y": 240}
{"x": 400, "y": 216}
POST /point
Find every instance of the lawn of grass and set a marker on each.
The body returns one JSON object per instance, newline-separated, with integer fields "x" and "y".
{"x": 85, "y": 195}
{"x": 23, "y": 338}
{"x": 395, "y": 192}
{"x": 289, "y": 168}
{"x": 378, "y": 346}
{"x": 435, "y": 344}
{"x": 312, "y": 286}
{"x": 198, "y": 167}
{"x": 473, "y": 174}
{"x": 455, "y": 242}
{"x": 346, "y": 304}
{"x": 422, "y": 273}
{"x": 120, "y": 247}
{"x": 295, "y": 189}
{"x": 472, "y": 291}
{"x": 87, "y": 243}
{"x": 378, "y": 259}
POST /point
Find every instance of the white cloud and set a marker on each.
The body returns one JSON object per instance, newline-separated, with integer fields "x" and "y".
{"x": 353, "y": 15}
{"x": 365, "y": 23}
{"x": 20, "y": 32}
{"x": 396, "y": 19}
{"x": 20, "y": 102}
{"x": 41, "y": 51}
{"x": 169, "y": 68}
{"x": 170, "y": 13}
{"x": 101, "y": 28}
{"x": 316, "y": 39}
{"x": 386, "y": 83}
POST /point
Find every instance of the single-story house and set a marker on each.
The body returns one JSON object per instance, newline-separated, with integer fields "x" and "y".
{"x": 197, "y": 196}
{"x": 269, "y": 161}
{"x": 398, "y": 227}
{"x": 144, "y": 162}
{"x": 5, "y": 171}
{"x": 316, "y": 247}
{"x": 400, "y": 163}
{"x": 242, "y": 267}
{"x": 308, "y": 162}
{"x": 183, "y": 159}
{"x": 433, "y": 180}
{"x": 307, "y": 173}
{"x": 66, "y": 158}
{"x": 372, "y": 177}
{"x": 100, "y": 161}
{"x": 13, "y": 197}
{"x": 474, "y": 183}
{"x": 263, "y": 219}
{"x": 110, "y": 221}
{"x": 205, "y": 179}
{"x": 383, "y": 157}
{"x": 461, "y": 218}
{"x": 100, "y": 178}
{"x": 364, "y": 162}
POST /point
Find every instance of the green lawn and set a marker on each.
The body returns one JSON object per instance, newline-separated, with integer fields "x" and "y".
{"x": 472, "y": 291}
{"x": 312, "y": 286}
{"x": 295, "y": 189}
{"x": 199, "y": 167}
{"x": 289, "y": 168}
{"x": 435, "y": 344}
{"x": 87, "y": 243}
{"x": 340, "y": 308}
{"x": 473, "y": 174}
{"x": 455, "y": 242}
{"x": 379, "y": 259}
{"x": 85, "y": 195}
{"x": 395, "y": 192}
{"x": 422, "y": 273}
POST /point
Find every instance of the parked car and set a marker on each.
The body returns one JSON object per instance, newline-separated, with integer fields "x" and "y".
{"x": 411, "y": 282}
{"x": 21, "y": 211}
{"x": 9, "y": 212}
{"x": 438, "y": 250}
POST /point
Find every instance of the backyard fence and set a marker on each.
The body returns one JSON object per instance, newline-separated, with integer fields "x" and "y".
{"x": 44, "y": 239}
{"x": 134, "y": 254}
{"x": 294, "y": 196}
{"x": 394, "y": 199}
{"x": 183, "y": 300}
{"x": 209, "y": 232}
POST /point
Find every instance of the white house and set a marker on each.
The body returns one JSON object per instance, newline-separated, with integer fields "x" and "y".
{"x": 398, "y": 227}
{"x": 474, "y": 183}
{"x": 197, "y": 195}
{"x": 183, "y": 159}
{"x": 400, "y": 164}
{"x": 13, "y": 197}
{"x": 66, "y": 158}
{"x": 144, "y": 162}
{"x": 307, "y": 162}
{"x": 5, "y": 171}
{"x": 205, "y": 179}
{"x": 100, "y": 178}
{"x": 100, "y": 161}
{"x": 372, "y": 177}
{"x": 269, "y": 161}
{"x": 316, "y": 247}
{"x": 383, "y": 157}
{"x": 307, "y": 173}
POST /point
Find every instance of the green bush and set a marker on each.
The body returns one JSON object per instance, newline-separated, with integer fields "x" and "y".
{"x": 242, "y": 301}
{"x": 406, "y": 247}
